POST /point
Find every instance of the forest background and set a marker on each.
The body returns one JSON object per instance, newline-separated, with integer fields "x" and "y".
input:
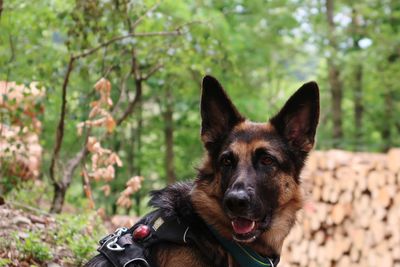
{"x": 115, "y": 106}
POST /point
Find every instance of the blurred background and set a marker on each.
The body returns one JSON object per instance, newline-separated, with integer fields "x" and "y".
{"x": 99, "y": 105}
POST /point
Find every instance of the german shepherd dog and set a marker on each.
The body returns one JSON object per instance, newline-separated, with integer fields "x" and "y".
{"x": 248, "y": 188}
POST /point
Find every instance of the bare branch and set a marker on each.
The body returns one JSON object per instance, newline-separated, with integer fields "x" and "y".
{"x": 177, "y": 31}
{"x": 122, "y": 94}
{"x": 153, "y": 70}
{"x": 135, "y": 68}
{"x": 132, "y": 104}
{"x": 137, "y": 22}
{"x": 108, "y": 71}
{"x": 122, "y": 37}
{"x": 60, "y": 127}
{"x": 139, "y": 78}
{"x": 74, "y": 163}
{"x": 187, "y": 24}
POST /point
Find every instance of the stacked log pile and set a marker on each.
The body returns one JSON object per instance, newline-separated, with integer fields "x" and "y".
{"x": 352, "y": 212}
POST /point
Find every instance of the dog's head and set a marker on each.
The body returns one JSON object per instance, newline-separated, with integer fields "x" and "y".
{"x": 249, "y": 183}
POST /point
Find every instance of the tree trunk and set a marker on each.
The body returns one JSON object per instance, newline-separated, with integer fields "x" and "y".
{"x": 391, "y": 85}
{"x": 358, "y": 103}
{"x": 358, "y": 77}
{"x": 131, "y": 151}
{"x": 335, "y": 83}
{"x": 387, "y": 122}
{"x": 336, "y": 102}
{"x": 1, "y": 7}
{"x": 60, "y": 187}
{"x": 138, "y": 153}
{"x": 58, "y": 198}
{"x": 169, "y": 137}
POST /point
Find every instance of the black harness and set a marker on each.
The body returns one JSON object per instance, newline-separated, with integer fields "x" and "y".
{"x": 126, "y": 247}
{"x": 133, "y": 247}
{"x": 174, "y": 221}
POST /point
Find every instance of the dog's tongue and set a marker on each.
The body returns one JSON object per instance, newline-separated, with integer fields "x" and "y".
{"x": 243, "y": 226}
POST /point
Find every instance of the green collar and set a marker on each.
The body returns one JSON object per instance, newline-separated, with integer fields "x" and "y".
{"x": 245, "y": 256}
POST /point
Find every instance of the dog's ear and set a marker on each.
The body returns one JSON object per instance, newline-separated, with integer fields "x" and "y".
{"x": 218, "y": 114}
{"x": 298, "y": 119}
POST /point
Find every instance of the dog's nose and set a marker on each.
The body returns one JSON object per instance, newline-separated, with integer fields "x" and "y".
{"x": 237, "y": 201}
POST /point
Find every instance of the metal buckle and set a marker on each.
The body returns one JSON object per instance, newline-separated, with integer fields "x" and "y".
{"x": 105, "y": 239}
{"x": 120, "y": 231}
{"x": 115, "y": 236}
{"x": 114, "y": 246}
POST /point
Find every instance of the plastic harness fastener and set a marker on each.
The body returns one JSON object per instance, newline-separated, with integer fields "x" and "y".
{"x": 120, "y": 250}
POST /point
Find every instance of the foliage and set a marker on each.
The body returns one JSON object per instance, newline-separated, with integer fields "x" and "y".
{"x": 80, "y": 234}
{"x": 102, "y": 159}
{"x": 23, "y": 193}
{"x": 260, "y": 50}
{"x": 20, "y": 150}
{"x": 68, "y": 239}
{"x": 75, "y": 233}
{"x": 4, "y": 262}
{"x": 132, "y": 186}
{"x": 33, "y": 246}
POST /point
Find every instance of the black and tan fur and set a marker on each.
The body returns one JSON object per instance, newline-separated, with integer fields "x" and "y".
{"x": 250, "y": 170}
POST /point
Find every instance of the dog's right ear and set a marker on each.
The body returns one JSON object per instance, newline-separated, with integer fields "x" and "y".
{"x": 218, "y": 114}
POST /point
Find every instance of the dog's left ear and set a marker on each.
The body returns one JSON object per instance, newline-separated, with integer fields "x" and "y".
{"x": 218, "y": 113}
{"x": 298, "y": 119}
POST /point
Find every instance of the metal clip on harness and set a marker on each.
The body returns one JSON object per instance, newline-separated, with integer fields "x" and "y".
{"x": 113, "y": 245}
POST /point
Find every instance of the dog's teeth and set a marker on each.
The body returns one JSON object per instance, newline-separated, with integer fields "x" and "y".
{"x": 243, "y": 226}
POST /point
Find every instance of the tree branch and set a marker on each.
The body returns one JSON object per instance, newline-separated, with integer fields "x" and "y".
{"x": 139, "y": 78}
{"x": 177, "y": 31}
{"x": 108, "y": 71}
{"x": 122, "y": 94}
{"x": 74, "y": 162}
{"x": 88, "y": 52}
{"x": 60, "y": 127}
{"x": 132, "y": 104}
{"x": 153, "y": 70}
{"x": 135, "y": 70}
{"x": 137, "y": 22}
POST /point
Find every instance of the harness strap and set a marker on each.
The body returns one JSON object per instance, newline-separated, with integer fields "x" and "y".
{"x": 245, "y": 256}
{"x": 121, "y": 249}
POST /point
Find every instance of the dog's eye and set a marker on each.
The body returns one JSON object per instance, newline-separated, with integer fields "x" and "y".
{"x": 267, "y": 160}
{"x": 226, "y": 161}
